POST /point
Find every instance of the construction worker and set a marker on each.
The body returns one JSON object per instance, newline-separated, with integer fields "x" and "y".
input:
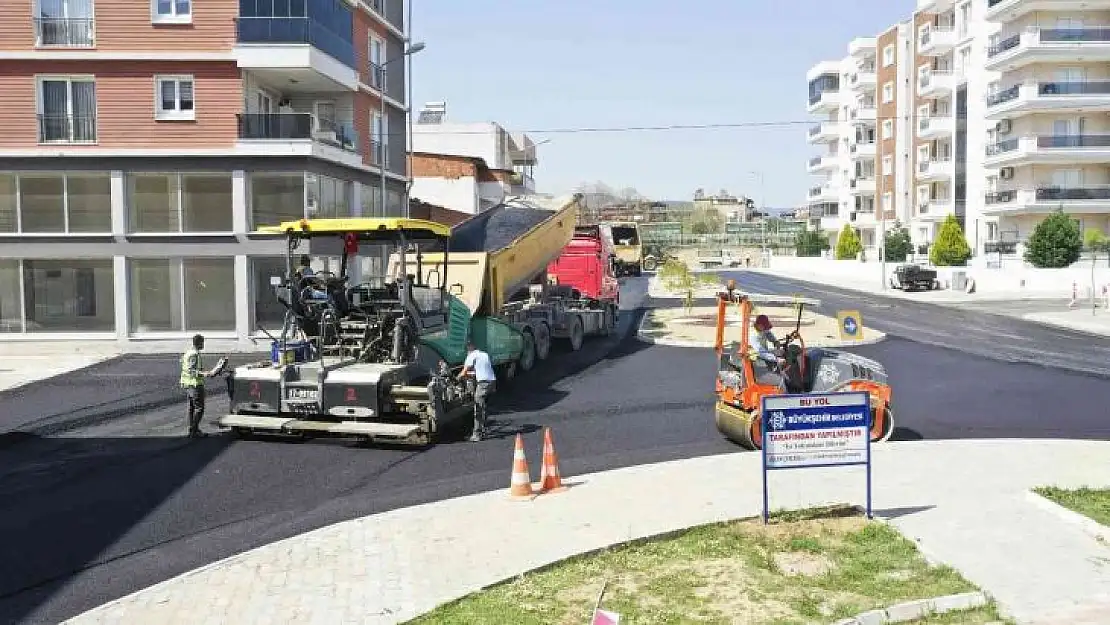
{"x": 478, "y": 369}
{"x": 765, "y": 352}
{"x": 192, "y": 382}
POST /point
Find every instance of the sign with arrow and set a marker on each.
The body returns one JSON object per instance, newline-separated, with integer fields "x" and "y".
{"x": 851, "y": 325}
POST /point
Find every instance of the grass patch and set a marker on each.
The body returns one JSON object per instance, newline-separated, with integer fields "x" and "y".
{"x": 804, "y": 567}
{"x": 1093, "y": 503}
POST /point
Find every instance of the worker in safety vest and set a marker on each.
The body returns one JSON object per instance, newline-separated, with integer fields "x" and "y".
{"x": 192, "y": 382}
{"x": 765, "y": 352}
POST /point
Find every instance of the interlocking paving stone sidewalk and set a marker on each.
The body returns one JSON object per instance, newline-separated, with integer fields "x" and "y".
{"x": 963, "y": 501}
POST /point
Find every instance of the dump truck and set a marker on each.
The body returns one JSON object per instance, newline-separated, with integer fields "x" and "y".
{"x": 587, "y": 265}
{"x": 378, "y": 360}
{"x": 626, "y": 236}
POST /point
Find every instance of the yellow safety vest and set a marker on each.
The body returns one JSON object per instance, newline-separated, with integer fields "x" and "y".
{"x": 191, "y": 369}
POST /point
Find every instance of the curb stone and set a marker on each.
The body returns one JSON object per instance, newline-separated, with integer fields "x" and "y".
{"x": 1097, "y": 530}
{"x": 644, "y": 338}
{"x": 918, "y": 609}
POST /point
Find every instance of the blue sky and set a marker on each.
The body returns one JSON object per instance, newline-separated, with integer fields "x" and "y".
{"x": 546, "y": 64}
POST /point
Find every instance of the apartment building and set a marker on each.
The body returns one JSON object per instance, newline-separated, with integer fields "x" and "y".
{"x": 861, "y": 98}
{"x": 144, "y": 144}
{"x": 1046, "y": 117}
{"x": 469, "y": 167}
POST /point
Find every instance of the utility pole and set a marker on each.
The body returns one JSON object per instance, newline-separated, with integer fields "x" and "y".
{"x": 882, "y": 232}
{"x": 382, "y": 130}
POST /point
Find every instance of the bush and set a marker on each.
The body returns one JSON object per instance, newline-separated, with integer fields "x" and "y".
{"x": 847, "y": 244}
{"x": 1055, "y": 242}
{"x": 810, "y": 243}
{"x": 1095, "y": 240}
{"x": 950, "y": 249}
{"x": 897, "y": 244}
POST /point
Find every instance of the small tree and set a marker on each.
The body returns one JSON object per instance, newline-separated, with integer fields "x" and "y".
{"x": 951, "y": 248}
{"x": 810, "y": 243}
{"x": 1055, "y": 242}
{"x": 847, "y": 244}
{"x": 677, "y": 277}
{"x": 897, "y": 244}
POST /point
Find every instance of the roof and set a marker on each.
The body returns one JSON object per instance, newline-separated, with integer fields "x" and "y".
{"x": 360, "y": 225}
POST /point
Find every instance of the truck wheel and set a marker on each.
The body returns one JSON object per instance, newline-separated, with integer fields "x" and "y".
{"x": 576, "y": 334}
{"x": 528, "y": 354}
{"x": 543, "y": 341}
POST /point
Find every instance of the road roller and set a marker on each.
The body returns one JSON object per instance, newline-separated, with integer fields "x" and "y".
{"x": 806, "y": 370}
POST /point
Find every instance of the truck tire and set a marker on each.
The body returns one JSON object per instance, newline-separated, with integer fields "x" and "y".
{"x": 528, "y": 354}
{"x": 576, "y": 334}
{"x": 543, "y": 341}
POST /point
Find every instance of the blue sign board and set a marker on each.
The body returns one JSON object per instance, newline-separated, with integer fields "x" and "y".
{"x": 816, "y": 430}
{"x": 850, "y": 325}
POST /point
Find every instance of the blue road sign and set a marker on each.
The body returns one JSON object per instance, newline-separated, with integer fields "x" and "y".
{"x": 850, "y": 325}
{"x": 817, "y": 430}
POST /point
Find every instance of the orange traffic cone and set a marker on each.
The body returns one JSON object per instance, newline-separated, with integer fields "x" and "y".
{"x": 520, "y": 486}
{"x": 550, "y": 480}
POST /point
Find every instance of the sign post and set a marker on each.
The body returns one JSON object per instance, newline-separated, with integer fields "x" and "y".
{"x": 816, "y": 431}
{"x": 851, "y": 325}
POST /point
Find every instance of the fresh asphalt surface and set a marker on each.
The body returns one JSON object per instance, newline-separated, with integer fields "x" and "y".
{"x": 103, "y": 497}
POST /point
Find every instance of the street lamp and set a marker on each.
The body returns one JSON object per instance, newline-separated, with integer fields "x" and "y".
{"x": 409, "y": 51}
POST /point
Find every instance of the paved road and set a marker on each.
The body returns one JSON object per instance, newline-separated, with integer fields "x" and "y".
{"x": 968, "y": 330}
{"x": 122, "y": 503}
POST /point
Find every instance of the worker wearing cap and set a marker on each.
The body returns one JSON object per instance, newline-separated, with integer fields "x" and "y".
{"x": 192, "y": 382}
{"x": 479, "y": 369}
{"x": 765, "y": 352}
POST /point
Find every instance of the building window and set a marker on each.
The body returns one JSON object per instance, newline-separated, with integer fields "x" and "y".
{"x": 888, "y": 165}
{"x": 269, "y": 313}
{"x": 327, "y": 197}
{"x": 187, "y": 203}
{"x": 174, "y": 98}
{"x": 171, "y": 11}
{"x": 394, "y": 203}
{"x": 888, "y": 56}
{"x": 56, "y": 203}
{"x": 888, "y": 128}
{"x": 68, "y": 296}
{"x": 377, "y": 141}
{"x": 64, "y": 23}
{"x": 965, "y": 19}
{"x": 182, "y": 294}
{"x": 11, "y": 303}
{"x": 371, "y": 201}
{"x": 888, "y": 93}
{"x": 276, "y": 198}
{"x": 67, "y": 109}
{"x": 888, "y": 199}
{"x": 376, "y": 54}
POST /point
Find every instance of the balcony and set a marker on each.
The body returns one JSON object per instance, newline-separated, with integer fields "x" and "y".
{"x": 936, "y": 41}
{"x": 862, "y": 186}
{"x": 862, "y": 47}
{"x": 936, "y": 84}
{"x": 821, "y": 210}
{"x": 863, "y": 150}
{"x": 1010, "y": 10}
{"x": 863, "y": 79}
{"x": 864, "y": 114}
{"x": 299, "y": 53}
{"x": 1049, "y": 45}
{"x": 1047, "y": 198}
{"x": 67, "y": 129}
{"x": 823, "y": 193}
{"x": 936, "y": 169}
{"x": 935, "y": 127}
{"x": 1029, "y": 97}
{"x": 299, "y": 134}
{"x": 935, "y": 6}
{"x": 824, "y": 102}
{"x": 935, "y": 208}
{"x": 824, "y": 133}
{"x": 58, "y": 32}
{"x": 1049, "y": 149}
{"x": 819, "y": 164}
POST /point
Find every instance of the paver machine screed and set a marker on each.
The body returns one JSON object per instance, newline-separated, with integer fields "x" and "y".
{"x": 807, "y": 370}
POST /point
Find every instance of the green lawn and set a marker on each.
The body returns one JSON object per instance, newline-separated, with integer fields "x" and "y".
{"x": 810, "y": 567}
{"x": 1093, "y": 503}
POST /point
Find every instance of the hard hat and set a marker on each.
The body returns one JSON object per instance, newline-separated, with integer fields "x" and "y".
{"x": 763, "y": 321}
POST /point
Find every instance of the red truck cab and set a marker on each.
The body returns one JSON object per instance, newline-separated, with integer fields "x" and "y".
{"x": 587, "y": 264}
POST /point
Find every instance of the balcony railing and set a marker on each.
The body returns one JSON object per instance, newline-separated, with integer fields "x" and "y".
{"x": 924, "y": 166}
{"x": 814, "y": 191}
{"x": 295, "y": 127}
{"x": 1003, "y": 96}
{"x": 379, "y": 153}
{"x": 1003, "y": 147}
{"x": 1074, "y": 34}
{"x": 1008, "y": 43}
{"x": 1064, "y": 194}
{"x": 1000, "y": 247}
{"x": 296, "y": 30}
{"x": 815, "y": 130}
{"x": 815, "y": 161}
{"x": 1073, "y": 141}
{"x": 377, "y": 76}
{"x": 67, "y": 129}
{"x": 1086, "y": 87}
{"x": 1000, "y": 197}
{"x": 74, "y": 32}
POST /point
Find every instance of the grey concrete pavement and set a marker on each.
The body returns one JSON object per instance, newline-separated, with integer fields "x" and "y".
{"x": 963, "y": 502}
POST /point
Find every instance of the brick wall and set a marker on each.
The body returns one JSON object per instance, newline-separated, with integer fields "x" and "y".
{"x": 438, "y": 214}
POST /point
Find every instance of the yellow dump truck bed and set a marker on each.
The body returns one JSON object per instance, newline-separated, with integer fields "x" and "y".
{"x": 496, "y": 253}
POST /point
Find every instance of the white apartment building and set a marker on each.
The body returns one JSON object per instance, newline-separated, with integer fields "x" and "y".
{"x": 997, "y": 112}
{"x": 469, "y": 167}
